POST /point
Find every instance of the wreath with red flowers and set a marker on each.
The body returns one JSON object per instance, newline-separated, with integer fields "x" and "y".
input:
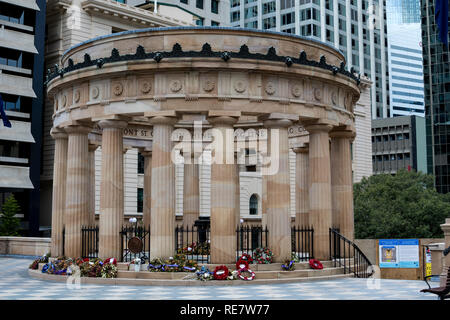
{"x": 263, "y": 255}
{"x": 220, "y": 273}
{"x": 246, "y": 257}
{"x": 241, "y": 264}
{"x": 111, "y": 260}
{"x": 315, "y": 264}
{"x": 246, "y": 278}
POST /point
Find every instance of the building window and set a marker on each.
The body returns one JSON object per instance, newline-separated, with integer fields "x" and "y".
{"x": 184, "y": 1}
{"x": 269, "y": 7}
{"x": 140, "y": 200}
{"x": 215, "y": 7}
{"x": 140, "y": 163}
{"x": 199, "y": 4}
{"x": 254, "y": 204}
{"x": 269, "y": 23}
{"x": 214, "y": 23}
{"x": 199, "y": 22}
{"x": 235, "y": 16}
{"x": 288, "y": 18}
{"x": 235, "y": 3}
{"x": 286, "y": 4}
{"x": 251, "y": 12}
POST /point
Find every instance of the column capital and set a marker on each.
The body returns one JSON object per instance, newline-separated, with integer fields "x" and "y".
{"x": 303, "y": 149}
{"x": 278, "y": 120}
{"x": 92, "y": 147}
{"x": 343, "y": 134}
{"x": 112, "y": 124}
{"x": 168, "y": 117}
{"x": 145, "y": 152}
{"x": 77, "y": 129}
{"x": 318, "y": 127}
{"x": 58, "y": 133}
{"x": 219, "y": 118}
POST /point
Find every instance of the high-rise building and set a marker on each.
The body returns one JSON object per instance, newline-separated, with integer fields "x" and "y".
{"x": 357, "y": 28}
{"x": 402, "y": 11}
{"x": 436, "y": 71}
{"x": 398, "y": 143}
{"x": 204, "y": 12}
{"x": 22, "y": 33}
{"x": 405, "y": 58}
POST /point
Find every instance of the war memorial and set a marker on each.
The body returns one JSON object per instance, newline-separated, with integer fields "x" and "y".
{"x": 186, "y": 90}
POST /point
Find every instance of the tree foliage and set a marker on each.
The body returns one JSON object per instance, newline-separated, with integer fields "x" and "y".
{"x": 9, "y": 222}
{"x": 405, "y": 205}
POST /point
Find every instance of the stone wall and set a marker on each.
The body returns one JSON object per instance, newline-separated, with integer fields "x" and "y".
{"x": 24, "y": 246}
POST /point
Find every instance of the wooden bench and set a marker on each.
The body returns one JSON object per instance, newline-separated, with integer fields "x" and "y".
{"x": 442, "y": 292}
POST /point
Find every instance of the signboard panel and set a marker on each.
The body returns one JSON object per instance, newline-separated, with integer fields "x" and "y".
{"x": 402, "y": 253}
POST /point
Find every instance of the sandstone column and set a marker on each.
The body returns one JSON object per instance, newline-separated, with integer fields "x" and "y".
{"x": 446, "y": 259}
{"x": 191, "y": 204}
{"x": 77, "y": 188}
{"x": 278, "y": 188}
{"x": 223, "y": 188}
{"x": 92, "y": 148}
{"x": 320, "y": 187}
{"x": 162, "y": 227}
{"x": 342, "y": 182}
{"x": 147, "y": 186}
{"x": 302, "y": 186}
{"x": 111, "y": 189}
{"x": 59, "y": 190}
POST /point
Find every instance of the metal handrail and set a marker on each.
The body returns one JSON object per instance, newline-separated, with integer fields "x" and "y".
{"x": 343, "y": 250}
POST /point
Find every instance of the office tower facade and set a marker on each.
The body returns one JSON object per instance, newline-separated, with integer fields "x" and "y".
{"x": 22, "y": 33}
{"x": 402, "y": 11}
{"x": 357, "y": 28}
{"x": 204, "y": 12}
{"x": 436, "y": 70}
{"x": 398, "y": 143}
{"x": 405, "y": 58}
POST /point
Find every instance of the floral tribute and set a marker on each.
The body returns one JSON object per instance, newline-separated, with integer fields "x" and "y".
{"x": 263, "y": 255}
{"x": 246, "y": 274}
{"x": 195, "y": 248}
{"x": 221, "y": 273}
{"x": 288, "y": 265}
{"x": 35, "y": 264}
{"x": 315, "y": 264}
{"x": 88, "y": 268}
{"x": 178, "y": 263}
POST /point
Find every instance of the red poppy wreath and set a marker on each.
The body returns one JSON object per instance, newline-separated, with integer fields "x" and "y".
{"x": 220, "y": 273}
{"x": 315, "y": 264}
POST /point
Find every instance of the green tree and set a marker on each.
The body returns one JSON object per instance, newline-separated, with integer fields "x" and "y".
{"x": 405, "y": 205}
{"x": 9, "y": 223}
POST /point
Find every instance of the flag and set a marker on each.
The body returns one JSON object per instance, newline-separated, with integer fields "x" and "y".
{"x": 441, "y": 15}
{"x": 6, "y": 122}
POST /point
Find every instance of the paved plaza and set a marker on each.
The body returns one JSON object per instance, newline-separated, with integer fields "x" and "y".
{"x": 16, "y": 284}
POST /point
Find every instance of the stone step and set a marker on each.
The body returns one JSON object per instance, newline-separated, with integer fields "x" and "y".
{"x": 259, "y": 274}
{"x": 179, "y": 282}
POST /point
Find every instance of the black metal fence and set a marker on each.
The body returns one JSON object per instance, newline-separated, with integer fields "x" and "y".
{"x": 303, "y": 242}
{"x": 63, "y": 240}
{"x": 194, "y": 242}
{"x": 89, "y": 242}
{"x": 135, "y": 243}
{"x": 346, "y": 254}
{"x": 248, "y": 238}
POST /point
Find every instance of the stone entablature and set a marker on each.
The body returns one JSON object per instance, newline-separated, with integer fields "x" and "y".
{"x": 155, "y": 81}
{"x": 194, "y": 84}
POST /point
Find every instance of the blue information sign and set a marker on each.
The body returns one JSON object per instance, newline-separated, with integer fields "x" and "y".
{"x": 398, "y": 253}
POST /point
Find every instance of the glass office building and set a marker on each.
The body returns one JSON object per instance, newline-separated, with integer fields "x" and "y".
{"x": 405, "y": 58}
{"x": 436, "y": 69}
